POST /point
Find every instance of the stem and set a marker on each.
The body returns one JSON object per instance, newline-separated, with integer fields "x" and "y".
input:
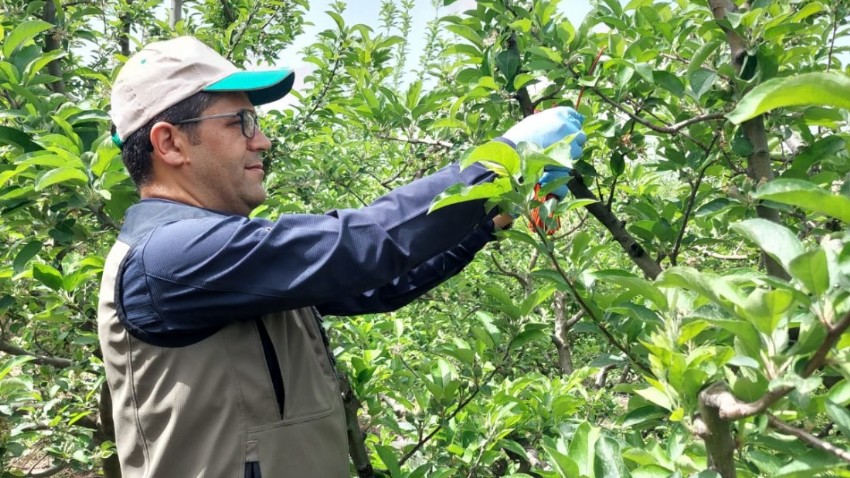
{"x": 356, "y": 439}
{"x": 235, "y": 41}
{"x": 691, "y": 200}
{"x": 719, "y": 442}
{"x": 584, "y": 307}
{"x": 668, "y": 129}
{"x": 58, "y": 362}
{"x": 758, "y": 163}
{"x": 454, "y": 413}
{"x": 426, "y": 141}
{"x": 616, "y": 227}
{"x": 807, "y": 437}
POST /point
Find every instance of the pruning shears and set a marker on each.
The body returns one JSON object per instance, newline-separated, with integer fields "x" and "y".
{"x": 537, "y": 221}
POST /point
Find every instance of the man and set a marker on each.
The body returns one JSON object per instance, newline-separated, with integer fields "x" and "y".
{"x": 208, "y": 320}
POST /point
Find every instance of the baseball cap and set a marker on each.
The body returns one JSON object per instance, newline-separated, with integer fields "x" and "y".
{"x": 164, "y": 73}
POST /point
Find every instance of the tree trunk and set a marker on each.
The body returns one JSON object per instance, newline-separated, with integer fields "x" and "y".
{"x": 719, "y": 442}
{"x": 758, "y": 162}
{"x": 124, "y": 34}
{"x": 561, "y": 336}
{"x": 176, "y": 12}
{"x": 356, "y": 439}
{"x": 52, "y": 42}
{"x": 111, "y": 467}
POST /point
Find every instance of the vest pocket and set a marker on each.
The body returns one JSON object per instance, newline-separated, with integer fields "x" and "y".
{"x": 273, "y": 366}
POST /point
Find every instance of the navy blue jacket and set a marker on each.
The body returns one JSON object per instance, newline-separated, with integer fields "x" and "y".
{"x": 191, "y": 271}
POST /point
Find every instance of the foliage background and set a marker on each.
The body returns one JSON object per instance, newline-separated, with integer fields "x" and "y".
{"x": 688, "y": 318}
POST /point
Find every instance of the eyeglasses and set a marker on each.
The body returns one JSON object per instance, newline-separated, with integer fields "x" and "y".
{"x": 247, "y": 118}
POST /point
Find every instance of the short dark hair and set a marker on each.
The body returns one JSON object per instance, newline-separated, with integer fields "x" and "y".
{"x": 137, "y": 148}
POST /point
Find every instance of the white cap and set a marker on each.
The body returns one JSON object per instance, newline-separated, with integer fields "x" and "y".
{"x": 164, "y": 73}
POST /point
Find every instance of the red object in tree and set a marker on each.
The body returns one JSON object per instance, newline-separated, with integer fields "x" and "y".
{"x": 538, "y": 221}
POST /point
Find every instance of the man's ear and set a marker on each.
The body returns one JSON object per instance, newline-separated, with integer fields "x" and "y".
{"x": 169, "y": 143}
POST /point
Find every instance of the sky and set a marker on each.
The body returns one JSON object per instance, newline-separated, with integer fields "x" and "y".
{"x": 366, "y": 12}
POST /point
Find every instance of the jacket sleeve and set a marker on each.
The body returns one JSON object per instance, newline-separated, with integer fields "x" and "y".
{"x": 416, "y": 282}
{"x": 195, "y": 274}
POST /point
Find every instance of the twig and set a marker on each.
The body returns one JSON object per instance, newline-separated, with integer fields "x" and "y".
{"x": 58, "y": 362}
{"x": 454, "y": 413}
{"x": 228, "y": 11}
{"x": 235, "y": 40}
{"x": 48, "y": 472}
{"x": 833, "y": 334}
{"x": 807, "y": 437}
{"x": 832, "y": 40}
{"x": 616, "y": 228}
{"x": 522, "y": 280}
{"x": 426, "y": 141}
{"x": 726, "y": 257}
{"x": 674, "y": 254}
{"x": 586, "y": 308}
{"x": 668, "y": 129}
{"x": 589, "y": 72}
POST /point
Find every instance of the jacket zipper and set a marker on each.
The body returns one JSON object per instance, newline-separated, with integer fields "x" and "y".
{"x": 273, "y": 365}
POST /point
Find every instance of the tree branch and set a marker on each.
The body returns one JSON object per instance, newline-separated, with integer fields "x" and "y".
{"x": 833, "y": 334}
{"x": 236, "y": 39}
{"x": 617, "y": 228}
{"x": 758, "y": 162}
{"x": 668, "y": 129}
{"x": 39, "y": 359}
{"x": 812, "y": 440}
{"x": 674, "y": 254}
{"x": 426, "y": 141}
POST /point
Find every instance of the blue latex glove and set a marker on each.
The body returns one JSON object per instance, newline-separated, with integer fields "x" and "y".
{"x": 555, "y": 173}
{"x": 548, "y": 127}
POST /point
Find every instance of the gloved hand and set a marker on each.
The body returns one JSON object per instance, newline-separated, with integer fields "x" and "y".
{"x": 548, "y": 127}
{"x": 556, "y": 173}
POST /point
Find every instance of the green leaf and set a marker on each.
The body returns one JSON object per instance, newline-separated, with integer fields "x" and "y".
{"x": 47, "y": 275}
{"x": 461, "y": 193}
{"x": 653, "y": 395}
{"x": 609, "y": 461}
{"x": 563, "y": 464}
{"x": 60, "y": 175}
{"x": 812, "y": 270}
{"x": 387, "y": 454}
{"x": 18, "y": 138}
{"x": 775, "y": 240}
{"x": 530, "y": 333}
{"x": 701, "y": 55}
{"x": 26, "y": 253}
{"x": 840, "y": 416}
{"x": 812, "y": 463}
{"x": 582, "y": 447}
{"x": 468, "y": 33}
{"x": 765, "y": 309}
{"x": 651, "y": 471}
{"x": 23, "y": 32}
{"x": 819, "y": 88}
{"x": 508, "y": 63}
{"x": 496, "y": 156}
{"x": 669, "y": 82}
{"x": 702, "y": 81}
{"x": 806, "y": 195}
{"x": 639, "y": 286}
{"x": 9, "y": 365}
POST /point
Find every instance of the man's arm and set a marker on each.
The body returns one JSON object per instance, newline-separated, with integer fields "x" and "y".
{"x": 201, "y": 273}
{"x": 419, "y": 280}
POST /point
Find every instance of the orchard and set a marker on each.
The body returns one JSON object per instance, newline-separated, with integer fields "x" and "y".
{"x": 683, "y": 312}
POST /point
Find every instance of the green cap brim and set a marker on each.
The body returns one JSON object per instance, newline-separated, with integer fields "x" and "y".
{"x": 261, "y": 86}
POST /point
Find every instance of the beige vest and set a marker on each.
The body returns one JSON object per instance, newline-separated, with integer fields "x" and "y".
{"x": 205, "y": 409}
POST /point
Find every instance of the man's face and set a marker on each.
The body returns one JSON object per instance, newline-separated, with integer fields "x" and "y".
{"x": 226, "y": 169}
